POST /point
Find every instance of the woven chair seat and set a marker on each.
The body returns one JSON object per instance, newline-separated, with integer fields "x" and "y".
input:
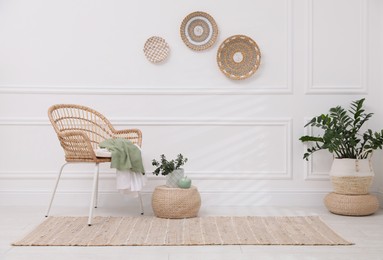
{"x": 102, "y": 153}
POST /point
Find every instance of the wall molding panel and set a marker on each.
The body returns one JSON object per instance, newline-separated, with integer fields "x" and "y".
{"x": 285, "y": 88}
{"x": 380, "y": 197}
{"x": 210, "y": 198}
{"x": 128, "y": 90}
{"x": 160, "y": 121}
{"x": 310, "y": 173}
{"x": 285, "y": 123}
{"x": 362, "y": 88}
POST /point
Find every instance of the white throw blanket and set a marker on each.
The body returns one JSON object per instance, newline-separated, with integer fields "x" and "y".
{"x": 129, "y": 182}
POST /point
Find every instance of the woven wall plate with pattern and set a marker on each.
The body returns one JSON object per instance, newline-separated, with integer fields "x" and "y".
{"x": 238, "y": 57}
{"x": 199, "y": 31}
{"x": 156, "y": 49}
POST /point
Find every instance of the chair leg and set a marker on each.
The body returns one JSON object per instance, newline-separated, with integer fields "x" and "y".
{"x": 141, "y": 205}
{"x": 55, "y": 188}
{"x": 96, "y": 195}
{"x": 95, "y": 180}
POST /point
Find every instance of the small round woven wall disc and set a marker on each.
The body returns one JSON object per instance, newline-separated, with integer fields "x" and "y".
{"x": 199, "y": 31}
{"x": 238, "y": 57}
{"x": 156, "y": 49}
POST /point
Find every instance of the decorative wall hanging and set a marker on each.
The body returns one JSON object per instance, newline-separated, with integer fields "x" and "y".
{"x": 199, "y": 31}
{"x": 156, "y": 49}
{"x": 238, "y": 57}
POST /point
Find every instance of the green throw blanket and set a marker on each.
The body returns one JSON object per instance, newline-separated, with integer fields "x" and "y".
{"x": 125, "y": 155}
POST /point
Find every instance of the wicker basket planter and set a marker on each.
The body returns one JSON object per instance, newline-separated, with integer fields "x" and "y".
{"x": 351, "y": 185}
{"x": 351, "y": 205}
{"x": 351, "y": 176}
{"x": 175, "y": 202}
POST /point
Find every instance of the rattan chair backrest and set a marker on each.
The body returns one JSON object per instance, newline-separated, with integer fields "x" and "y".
{"x": 68, "y": 117}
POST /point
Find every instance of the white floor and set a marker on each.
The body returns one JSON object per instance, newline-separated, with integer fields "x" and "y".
{"x": 365, "y": 232}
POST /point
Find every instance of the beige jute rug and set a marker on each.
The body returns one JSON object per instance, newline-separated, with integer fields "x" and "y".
{"x": 152, "y": 231}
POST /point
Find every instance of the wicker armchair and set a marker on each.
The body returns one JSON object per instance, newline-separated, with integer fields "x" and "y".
{"x": 80, "y": 129}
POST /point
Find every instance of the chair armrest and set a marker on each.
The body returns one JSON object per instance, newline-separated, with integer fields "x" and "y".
{"x": 133, "y": 135}
{"x": 77, "y": 146}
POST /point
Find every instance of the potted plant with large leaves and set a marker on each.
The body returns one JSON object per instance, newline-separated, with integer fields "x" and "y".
{"x": 352, "y": 146}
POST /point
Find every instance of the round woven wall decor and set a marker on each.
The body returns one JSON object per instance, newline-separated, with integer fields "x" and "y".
{"x": 199, "y": 31}
{"x": 156, "y": 49}
{"x": 238, "y": 57}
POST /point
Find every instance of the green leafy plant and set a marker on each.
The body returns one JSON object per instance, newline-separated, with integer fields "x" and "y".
{"x": 342, "y": 134}
{"x": 164, "y": 167}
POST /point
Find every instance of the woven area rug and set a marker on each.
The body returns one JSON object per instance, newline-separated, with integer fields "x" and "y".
{"x": 152, "y": 231}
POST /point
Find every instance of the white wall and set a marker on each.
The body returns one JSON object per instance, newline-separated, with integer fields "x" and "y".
{"x": 378, "y": 69}
{"x": 241, "y": 137}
